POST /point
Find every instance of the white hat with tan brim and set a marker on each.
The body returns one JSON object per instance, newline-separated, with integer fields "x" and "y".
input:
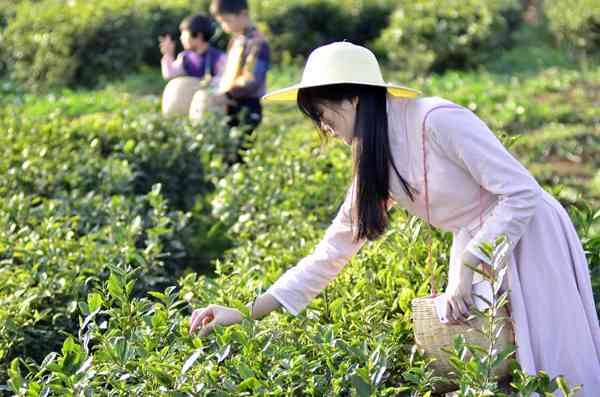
{"x": 340, "y": 63}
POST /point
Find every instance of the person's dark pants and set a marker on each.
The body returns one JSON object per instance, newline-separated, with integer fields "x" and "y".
{"x": 246, "y": 114}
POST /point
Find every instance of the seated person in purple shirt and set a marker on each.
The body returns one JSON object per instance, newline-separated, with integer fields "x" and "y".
{"x": 199, "y": 58}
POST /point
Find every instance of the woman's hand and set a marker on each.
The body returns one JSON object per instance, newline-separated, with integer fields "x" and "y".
{"x": 209, "y": 317}
{"x": 458, "y": 294}
{"x": 458, "y": 299}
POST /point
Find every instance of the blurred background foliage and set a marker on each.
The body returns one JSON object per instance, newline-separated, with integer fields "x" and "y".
{"x": 76, "y": 42}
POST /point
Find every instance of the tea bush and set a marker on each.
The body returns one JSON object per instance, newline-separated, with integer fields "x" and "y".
{"x": 46, "y": 42}
{"x": 7, "y": 11}
{"x": 114, "y": 153}
{"x": 136, "y": 345}
{"x": 575, "y": 23}
{"x": 4, "y": 15}
{"x": 85, "y": 236}
{"x": 56, "y": 42}
{"x": 85, "y": 192}
{"x": 518, "y": 104}
{"x": 294, "y": 28}
{"x": 423, "y": 36}
{"x": 354, "y": 339}
{"x": 49, "y": 261}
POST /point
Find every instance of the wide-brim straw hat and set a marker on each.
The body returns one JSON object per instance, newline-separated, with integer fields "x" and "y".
{"x": 340, "y": 63}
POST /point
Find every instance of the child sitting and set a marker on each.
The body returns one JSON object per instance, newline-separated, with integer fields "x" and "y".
{"x": 199, "y": 59}
{"x": 197, "y": 69}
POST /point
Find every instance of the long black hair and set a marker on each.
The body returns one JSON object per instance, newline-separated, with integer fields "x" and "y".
{"x": 372, "y": 156}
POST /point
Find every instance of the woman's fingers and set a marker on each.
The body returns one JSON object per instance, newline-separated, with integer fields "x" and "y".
{"x": 208, "y": 318}
{"x": 448, "y": 311}
{"x": 195, "y": 314}
{"x": 198, "y": 316}
{"x": 455, "y": 315}
{"x": 463, "y": 308}
{"x": 207, "y": 327}
{"x": 457, "y": 310}
{"x": 194, "y": 319}
{"x": 469, "y": 302}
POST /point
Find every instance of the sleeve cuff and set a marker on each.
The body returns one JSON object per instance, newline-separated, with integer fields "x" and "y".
{"x": 286, "y": 305}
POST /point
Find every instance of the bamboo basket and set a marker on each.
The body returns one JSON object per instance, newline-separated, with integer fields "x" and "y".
{"x": 431, "y": 336}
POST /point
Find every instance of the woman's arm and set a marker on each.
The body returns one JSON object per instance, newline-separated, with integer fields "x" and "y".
{"x": 262, "y": 306}
{"x": 302, "y": 283}
{"x": 468, "y": 142}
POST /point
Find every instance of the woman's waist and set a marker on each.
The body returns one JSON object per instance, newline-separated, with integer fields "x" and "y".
{"x": 547, "y": 202}
{"x": 469, "y": 218}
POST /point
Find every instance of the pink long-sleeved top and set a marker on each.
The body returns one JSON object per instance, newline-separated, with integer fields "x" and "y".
{"x": 463, "y": 155}
{"x": 479, "y": 191}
